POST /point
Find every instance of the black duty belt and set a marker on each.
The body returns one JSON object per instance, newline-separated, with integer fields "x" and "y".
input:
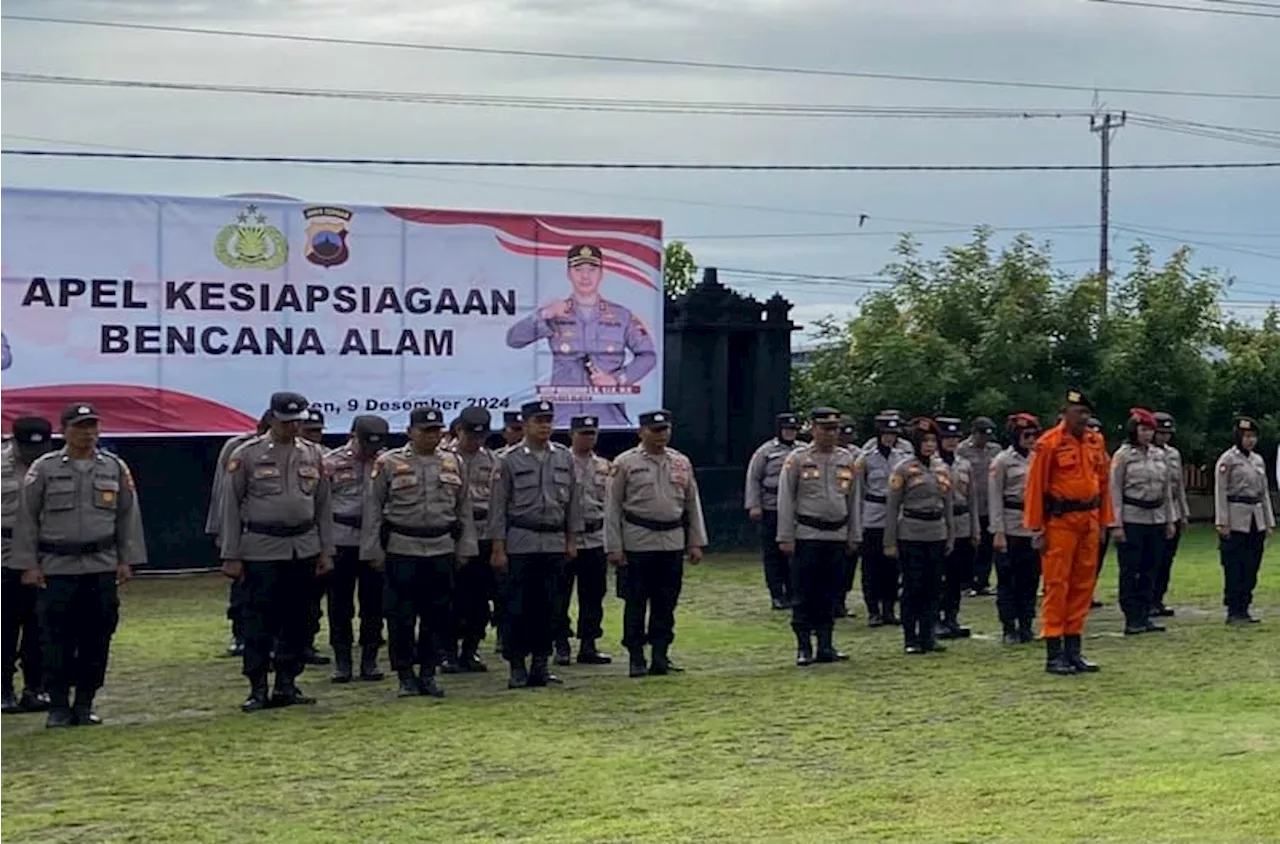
{"x": 923, "y": 515}
{"x": 349, "y": 521}
{"x": 538, "y": 527}
{"x": 874, "y": 498}
{"x": 592, "y": 526}
{"x": 479, "y": 515}
{"x": 7, "y": 533}
{"x": 1012, "y": 504}
{"x": 1141, "y": 504}
{"x": 1062, "y": 506}
{"x": 279, "y": 530}
{"x": 820, "y": 524}
{"x": 76, "y": 549}
{"x": 1244, "y": 499}
{"x": 453, "y": 529}
{"x": 961, "y": 511}
{"x": 652, "y": 524}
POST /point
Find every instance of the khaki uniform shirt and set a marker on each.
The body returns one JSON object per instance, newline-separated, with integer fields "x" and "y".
{"x": 421, "y": 493}
{"x": 64, "y": 503}
{"x": 920, "y": 503}
{"x": 1181, "y": 509}
{"x": 278, "y": 487}
{"x": 980, "y": 459}
{"x": 480, "y": 467}
{"x": 535, "y": 501}
{"x": 12, "y": 471}
{"x": 871, "y": 486}
{"x": 815, "y": 495}
{"x": 1242, "y": 477}
{"x": 763, "y": 472}
{"x": 658, "y": 488}
{"x": 964, "y": 497}
{"x": 213, "y": 521}
{"x": 593, "y": 485}
{"x": 348, "y": 481}
{"x": 1007, "y": 485}
{"x": 1141, "y": 489}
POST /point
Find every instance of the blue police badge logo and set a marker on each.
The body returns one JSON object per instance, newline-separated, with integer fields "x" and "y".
{"x": 327, "y": 235}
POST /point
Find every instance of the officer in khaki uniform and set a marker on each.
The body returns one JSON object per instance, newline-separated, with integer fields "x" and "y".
{"x": 78, "y": 535}
{"x": 277, "y": 536}
{"x": 760, "y": 497}
{"x": 957, "y": 569}
{"x": 979, "y": 450}
{"x": 32, "y": 438}
{"x": 815, "y": 520}
{"x": 474, "y": 584}
{"x": 418, "y": 524}
{"x": 871, "y": 488}
{"x": 1016, "y": 548}
{"x": 1165, "y": 429}
{"x": 653, "y": 518}
{"x": 349, "y": 468}
{"x": 1243, "y": 515}
{"x": 847, "y": 439}
{"x": 312, "y": 430}
{"x": 535, "y": 519}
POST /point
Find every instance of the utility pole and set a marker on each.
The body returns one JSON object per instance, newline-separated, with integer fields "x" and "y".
{"x": 1105, "y": 125}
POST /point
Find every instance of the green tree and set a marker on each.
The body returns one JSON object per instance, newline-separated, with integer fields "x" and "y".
{"x": 679, "y": 270}
{"x": 1246, "y": 380}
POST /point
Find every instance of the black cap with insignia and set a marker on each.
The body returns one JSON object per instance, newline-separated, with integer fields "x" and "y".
{"x": 846, "y": 426}
{"x": 540, "y": 407}
{"x": 79, "y": 412}
{"x": 32, "y": 431}
{"x": 372, "y": 430}
{"x": 289, "y": 407}
{"x": 787, "y": 420}
{"x": 888, "y": 422}
{"x": 1244, "y": 424}
{"x": 585, "y": 253}
{"x": 586, "y": 424}
{"x": 656, "y": 419}
{"x": 982, "y": 424}
{"x": 950, "y": 426}
{"x": 824, "y": 416}
{"x": 511, "y": 419}
{"x": 1164, "y": 421}
{"x": 1075, "y": 396}
{"x": 1094, "y": 424}
{"x": 475, "y": 419}
{"x": 426, "y": 417}
{"x": 315, "y": 419}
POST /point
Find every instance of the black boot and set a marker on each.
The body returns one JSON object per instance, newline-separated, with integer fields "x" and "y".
{"x": 778, "y": 602}
{"x": 1010, "y": 635}
{"x": 589, "y": 655}
{"x": 661, "y": 663}
{"x": 1078, "y": 662}
{"x": 1056, "y": 661}
{"x": 448, "y": 662}
{"x": 826, "y": 648}
{"x": 1161, "y": 611}
{"x": 637, "y": 666}
{"x": 804, "y": 650}
{"x": 409, "y": 685}
{"x": 310, "y": 656}
{"x": 235, "y": 647}
{"x": 287, "y": 693}
{"x": 341, "y": 664}
{"x": 519, "y": 674}
{"x": 82, "y": 711}
{"x": 427, "y": 684}
{"x": 954, "y": 629}
{"x": 874, "y": 619}
{"x": 888, "y": 616}
{"x": 562, "y": 652}
{"x": 1026, "y": 633}
{"x": 540, "y": 673}
{"x": 59, "y": 716}
{"x": 257, "y": 699}
{"x": 469, "y": 659}
{"x": 369, "y": 670}
{"x": 1153, "y": 627}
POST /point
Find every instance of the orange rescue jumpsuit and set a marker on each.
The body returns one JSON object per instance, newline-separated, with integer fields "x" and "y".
{"x": 1068, "y": 473}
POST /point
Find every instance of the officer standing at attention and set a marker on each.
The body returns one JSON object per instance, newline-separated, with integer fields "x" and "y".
{"x": 418, "y": 524}
{"x": 1016, "y": 548}
{"x": 1068, "y": 497}
{"x": 901, "y": 445}
{"x": 760, "y": 498}
{"x": 871, "y": 488}
{"x": 920, "y": 530}
{"x": 535, "y": 518}
{"x": 1144, "y": 517}
{"x": 1095, "y": 425}
{"x": 277, "y": 536}
{"x": 349, "y": 468}
{"x": 474, "y": 584}
{"x": 815, "y": 521}
{"x": 957, "y": 570}
{"x": 313, "y": 431}
{"x": 589, "y": 570}
{"x": 213, "y": 526}
{"x": 512, "y": 430}
{"x": 652, "y": 520}
{"x": 847, "y": 440}
{"x": 78, "y": 536}
{"x": 32, "y": 439}
{"x": 979, "y": 450}
{"x": 1165, "y": 428}
{"x": 1243, "y": 515}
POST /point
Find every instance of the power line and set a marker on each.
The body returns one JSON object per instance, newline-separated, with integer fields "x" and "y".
{"x": 1225, "y": 247}
{"x": 1065, "y": 228}
{"x": 639, "y": 60}
{"x": 636, "y": 165}
{"x": 1175, "y": 8}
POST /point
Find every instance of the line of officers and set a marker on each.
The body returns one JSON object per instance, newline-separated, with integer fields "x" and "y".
{"x": 926, "y": 510}
{"x": 442, "y": 537}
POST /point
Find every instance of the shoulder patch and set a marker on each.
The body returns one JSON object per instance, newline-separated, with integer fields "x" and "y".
{"x": 895, "y": 481}
{"x": 233, "y": 464}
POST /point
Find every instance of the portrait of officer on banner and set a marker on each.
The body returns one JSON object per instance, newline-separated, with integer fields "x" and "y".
{"x": 599, "y": 349}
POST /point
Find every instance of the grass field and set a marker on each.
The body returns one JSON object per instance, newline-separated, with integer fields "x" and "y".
{"x": 1178, "y": 739}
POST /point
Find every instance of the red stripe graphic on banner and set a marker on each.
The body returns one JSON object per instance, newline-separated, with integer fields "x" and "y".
{"x": 127, "y": 409}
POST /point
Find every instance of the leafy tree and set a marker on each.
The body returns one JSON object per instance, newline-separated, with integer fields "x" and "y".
{"x": 679, "y": 270}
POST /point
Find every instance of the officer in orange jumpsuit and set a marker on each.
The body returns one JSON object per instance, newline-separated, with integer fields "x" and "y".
{"x": 1068, "y": 497}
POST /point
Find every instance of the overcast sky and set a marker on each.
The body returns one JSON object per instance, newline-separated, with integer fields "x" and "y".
{"x": 1233, "y": 217}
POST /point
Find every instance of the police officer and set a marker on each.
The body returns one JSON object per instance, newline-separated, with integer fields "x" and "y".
{"x": 213, "y": 526}
{"x": 32, "y": 439}
{"x": 920, "y": 531}
{"x": 760, "y": 498}
{"x": 1243, "y": 515}
{"x": 1015, "y": 547}
{"x": 847, "y": 440}
{"x": 512, "y": 429}
{"x": 349, "y": 468}
{"x": 535, "y": 518}
{"x": 313, "y": 431}
{"x": 418, "y": 524}
{"x": 815, "y": 520}
{"x": 474, "y": 584}
{"x": 589, "y": 570}
{"x": 871, "y": 488}
{"x": 1144, "y": 517}
{"x": 957, "y": 570}
{"x": 1165, "y": 428}
{"x": 652, "y": 520}
{"x": 1104, "y": 543}
{"x": 277, "y": 536}
{"x": 979, "y": 450}
{"x": 78, "y": 535}
{"x": 901, "y": 445}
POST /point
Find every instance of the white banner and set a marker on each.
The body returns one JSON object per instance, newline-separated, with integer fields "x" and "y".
{"x": 182, "y": 316}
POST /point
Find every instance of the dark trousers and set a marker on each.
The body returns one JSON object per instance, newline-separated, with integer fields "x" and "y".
{"x": 419, "y": 616}
{"x": 1165, "y": 569}
{"x": 1139, "y": 556}
{"x": 1104, "y": 542}
{"x": 590, "y": 572}
{"x": 315, "y": 611}
{"x": 237, "y": 604}
{"x": 531, "y": 603}
{"x": 350, "y": 576}
{"x": 982, "y": 558}
{"x": 473, "y": 587}
{"x": 1017, "y": 578}
{"x": 78, "y": 615}
{"x": 1241, "y": 555}
{"x": 957, "y": 575}
{"x": 652, "y": 584}
{"x": 922, "y": 564}
{"x": 848, "y": 574}
{"x": 815, "y": 583}
{"x": 777, "y": 568}
{"x": 21, "y": 631}
{"x": 880, "y": 572}
{"x": 277, "y": 614}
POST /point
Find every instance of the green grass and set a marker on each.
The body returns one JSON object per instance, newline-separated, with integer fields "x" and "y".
{"x": 1178, "y": 739}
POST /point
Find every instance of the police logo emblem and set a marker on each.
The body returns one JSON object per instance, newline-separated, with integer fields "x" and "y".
{"x": 327, "y": 235}
{"x": 250, "y": 244}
